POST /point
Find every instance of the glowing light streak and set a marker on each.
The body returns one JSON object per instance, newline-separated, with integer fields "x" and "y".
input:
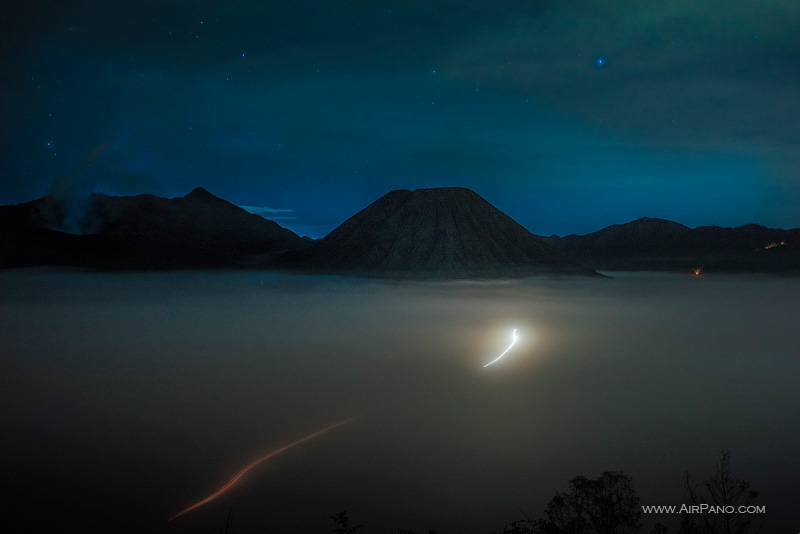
{"x": 513, "y": 341}
{"x": 232, "y": 482}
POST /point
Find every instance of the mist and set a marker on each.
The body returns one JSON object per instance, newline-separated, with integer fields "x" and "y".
{"x": 128, "y": 397}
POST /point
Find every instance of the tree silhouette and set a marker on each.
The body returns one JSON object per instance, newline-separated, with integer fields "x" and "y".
{"x": 726, "y": 493}
{"x": 605, "y": 505}
{"x": 343, "y": 520}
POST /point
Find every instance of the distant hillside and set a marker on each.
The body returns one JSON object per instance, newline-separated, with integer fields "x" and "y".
{"x": 657, "y": 244}
{"x": 430, "y": 233}
{"x": 140, "y": 232}
{"x": 427, "y": 233}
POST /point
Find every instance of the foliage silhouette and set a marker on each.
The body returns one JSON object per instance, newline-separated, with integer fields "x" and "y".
{"x": 726, "y": 493}
{"x": 608, "y": 504}
{"x": 605, "y": 505}
{"x": 343, "y": 520}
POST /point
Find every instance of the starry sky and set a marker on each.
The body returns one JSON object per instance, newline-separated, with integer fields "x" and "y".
{"x": 567, "y": 115}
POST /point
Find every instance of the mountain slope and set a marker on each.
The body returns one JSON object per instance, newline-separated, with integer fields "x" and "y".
{"x": 199, "y": 218}
{"x": 440, "y": 232}
{"x": 657, "y": 244}
{"x": 198, "y": 230}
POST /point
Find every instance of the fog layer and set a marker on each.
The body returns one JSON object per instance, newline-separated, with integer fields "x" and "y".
{"x": 128, "y": 397}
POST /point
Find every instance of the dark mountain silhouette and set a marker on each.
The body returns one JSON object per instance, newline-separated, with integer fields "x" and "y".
{"x": 657, "y": 244}
{"x": 428, "y": 233}
{"x": 437, "y": 233}
{"x": 198, "y": 230}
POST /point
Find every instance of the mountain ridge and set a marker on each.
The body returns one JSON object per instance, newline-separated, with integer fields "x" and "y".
{"x": 425, "y": 233}
{"x": 198, "y": 230}
{"x": 430, "y": 233}
{"x": 659, "y": 244}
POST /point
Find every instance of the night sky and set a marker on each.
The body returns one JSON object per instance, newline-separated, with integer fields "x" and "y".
{"x": 569, "y": 116}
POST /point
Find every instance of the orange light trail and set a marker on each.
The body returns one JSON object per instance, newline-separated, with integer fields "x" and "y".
{"x": 232, "y": 482}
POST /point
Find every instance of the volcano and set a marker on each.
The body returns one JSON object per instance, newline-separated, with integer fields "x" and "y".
{"x": 140, "y": 232}
{"x": 431, "y": 233}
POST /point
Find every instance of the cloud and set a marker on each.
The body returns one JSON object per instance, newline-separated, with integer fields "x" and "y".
{"x": 270, "y": 213}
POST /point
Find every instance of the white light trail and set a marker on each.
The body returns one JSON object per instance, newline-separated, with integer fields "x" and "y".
{"x": 513, "y": 341}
